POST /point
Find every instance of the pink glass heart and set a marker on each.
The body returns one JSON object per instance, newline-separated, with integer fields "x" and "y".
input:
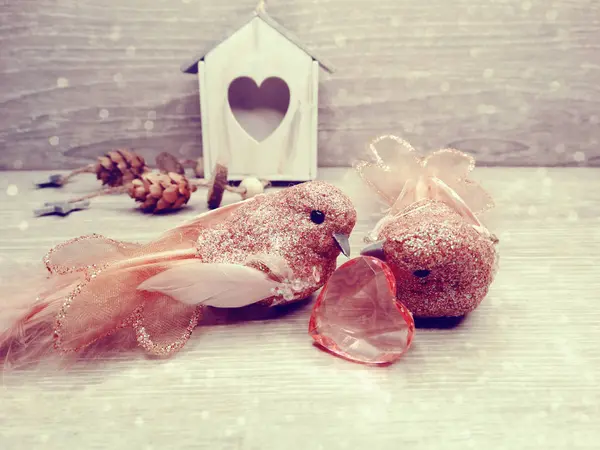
{"x": 358, "y": 317}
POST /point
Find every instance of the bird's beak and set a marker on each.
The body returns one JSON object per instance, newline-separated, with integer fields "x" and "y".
{"x": 375, "y": 250}
{"x": 343, "y": 243}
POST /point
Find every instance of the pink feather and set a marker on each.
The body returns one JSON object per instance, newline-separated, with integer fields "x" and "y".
{"x": 221, "y": 285}
{"x": 27, "y": 315}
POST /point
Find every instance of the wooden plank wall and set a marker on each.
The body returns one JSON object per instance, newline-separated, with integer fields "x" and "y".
{"x": 513, "y": 81}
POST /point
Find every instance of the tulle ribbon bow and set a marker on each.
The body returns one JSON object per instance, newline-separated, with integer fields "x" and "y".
{"x": 401, "y": 177}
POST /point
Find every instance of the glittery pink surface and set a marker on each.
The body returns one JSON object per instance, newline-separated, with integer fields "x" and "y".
{"x": 431, "y": 236}
{"x": 279, "y": 224}
{"x": 358, "y": 317}
{"x": 100, "y": 296}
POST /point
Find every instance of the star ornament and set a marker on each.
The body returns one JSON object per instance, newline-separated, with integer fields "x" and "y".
{"x": 61, "y": 208}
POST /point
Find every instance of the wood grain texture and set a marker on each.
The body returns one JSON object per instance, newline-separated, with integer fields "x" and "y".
{"x": 513, "y": 81}
{"x": 521, "y": 372}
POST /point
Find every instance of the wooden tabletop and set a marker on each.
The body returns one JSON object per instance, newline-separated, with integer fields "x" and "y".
{"x": 521, "y": 372}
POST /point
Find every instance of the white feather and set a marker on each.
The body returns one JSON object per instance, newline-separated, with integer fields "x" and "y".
{"x": 221, "y": 285}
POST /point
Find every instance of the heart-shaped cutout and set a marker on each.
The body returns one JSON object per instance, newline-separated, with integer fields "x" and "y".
{"x": 358, "y": 317}
{"x": 259, "y": 110}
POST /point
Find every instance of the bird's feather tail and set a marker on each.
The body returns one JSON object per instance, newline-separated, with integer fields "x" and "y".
{"x": 73, "y": 314}
{"x": 27, "y": 315}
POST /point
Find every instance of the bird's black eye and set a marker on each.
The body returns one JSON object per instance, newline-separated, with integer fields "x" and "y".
{"x": 317, "y": 216}
{"x": 421, "y": 273}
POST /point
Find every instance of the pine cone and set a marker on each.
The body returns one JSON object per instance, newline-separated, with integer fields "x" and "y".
{"x": 119, "y": 167}
{"x": 159, "y": 192}
{"x": 166, "y": 162}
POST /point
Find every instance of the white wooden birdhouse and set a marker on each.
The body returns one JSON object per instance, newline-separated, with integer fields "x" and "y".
{"x": 259, "y": 102}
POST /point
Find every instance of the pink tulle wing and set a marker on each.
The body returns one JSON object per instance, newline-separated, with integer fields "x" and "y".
{"x": 381, "y": 180}
{"x": 100, "y": 305}
{"x": 79, "y": 253}
{"x": 452, "y": 167}
{"x": 473, "y": 195}
{"x": 407, "y": 197}
{"x": 222, "y": 285}
{"x": 441, "y": 191}
{"x": 448, "y": 164}
{"x": 393, "y": 152}
{"x": 395, "y": 163}
{"x": 30, "y": 302}
{"x": 163, "y": 325}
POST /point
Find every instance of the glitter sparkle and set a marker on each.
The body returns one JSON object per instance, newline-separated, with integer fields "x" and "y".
{"x": 280, "y": 225}
{"x": 431, "y": 236}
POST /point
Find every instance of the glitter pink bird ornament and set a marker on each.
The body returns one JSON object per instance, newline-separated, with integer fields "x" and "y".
{"x": 273, "y": 248}
{"x": 443, "y": 257}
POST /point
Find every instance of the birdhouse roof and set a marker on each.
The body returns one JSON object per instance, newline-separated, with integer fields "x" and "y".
{"x": 192, "y": 66}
